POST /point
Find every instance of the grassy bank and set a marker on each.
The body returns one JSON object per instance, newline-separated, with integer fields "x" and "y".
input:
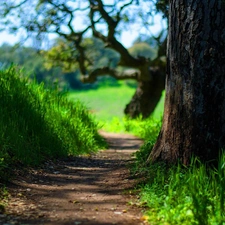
{"x": 179, "y": 195}
{"x": 38, "y": 123}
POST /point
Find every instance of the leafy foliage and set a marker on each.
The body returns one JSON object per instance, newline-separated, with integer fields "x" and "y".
{"x": 163, "y": 6}
{"x": 65, "y": 54}
{"x": 48, "y": 69}
{"x": 142, "y": 49}
{"x": 29, "y": 59}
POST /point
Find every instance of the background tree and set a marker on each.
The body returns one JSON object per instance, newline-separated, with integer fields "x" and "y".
{"x": 63, "y": 54}
{"x": 194, "y": 114}
{"x": 54, "y": 71}
{"x": 75, "y": 20}
{"x": 143, "y": 49}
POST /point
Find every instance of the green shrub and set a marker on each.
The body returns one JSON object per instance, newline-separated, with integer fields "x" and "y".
{"x": 38, "y": 123}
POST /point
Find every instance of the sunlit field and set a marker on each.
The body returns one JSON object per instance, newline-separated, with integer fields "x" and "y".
{"x": 107, "y": 105}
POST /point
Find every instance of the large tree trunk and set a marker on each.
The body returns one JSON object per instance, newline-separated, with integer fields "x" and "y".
{"x": 147, "y": 95}
{"x": 194, "y": 114}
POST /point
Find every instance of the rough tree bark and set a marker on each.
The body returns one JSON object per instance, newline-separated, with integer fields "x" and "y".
{"x": 194, "y": 117}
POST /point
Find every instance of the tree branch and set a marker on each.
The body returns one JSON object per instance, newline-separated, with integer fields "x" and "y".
{"x": 110, "y": 40}
{"x": 127, "y": 74}
{"x": 18, "y": 5}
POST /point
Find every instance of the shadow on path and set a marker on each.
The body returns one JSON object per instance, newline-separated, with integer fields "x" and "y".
{"x": 86, "y": 190}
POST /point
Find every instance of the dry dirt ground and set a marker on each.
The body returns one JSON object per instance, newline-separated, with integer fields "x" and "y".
{"x": 86, "y": 190}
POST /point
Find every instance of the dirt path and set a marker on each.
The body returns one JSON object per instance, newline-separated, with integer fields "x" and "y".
{"x": 91, "y": 190}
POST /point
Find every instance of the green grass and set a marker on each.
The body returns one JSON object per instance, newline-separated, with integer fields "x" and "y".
{"x": 4, "y": 195}
{"x": 188, "y": 196}
{"x": 39, "y": 123}
{"x": 107, "y": 105}
{"x": 179, "y": 195}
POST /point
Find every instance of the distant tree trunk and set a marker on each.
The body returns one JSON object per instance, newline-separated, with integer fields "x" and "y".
{"x": 194, "y": 116}
{"x": 147, "y": 95}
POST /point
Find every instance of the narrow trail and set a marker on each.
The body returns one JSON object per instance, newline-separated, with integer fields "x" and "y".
{"x": 86, "y": 190}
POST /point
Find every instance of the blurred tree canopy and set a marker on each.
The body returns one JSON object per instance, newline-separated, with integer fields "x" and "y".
{"x": 38, "y": 68}
{"x": 143, "y": 49}
{"x": 29, "y": 59}
{"x": 76, "y": 21}
{"x": 64, "y": 54}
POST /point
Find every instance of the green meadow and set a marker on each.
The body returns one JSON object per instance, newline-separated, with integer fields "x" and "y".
{"x": 107, "y": 104}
